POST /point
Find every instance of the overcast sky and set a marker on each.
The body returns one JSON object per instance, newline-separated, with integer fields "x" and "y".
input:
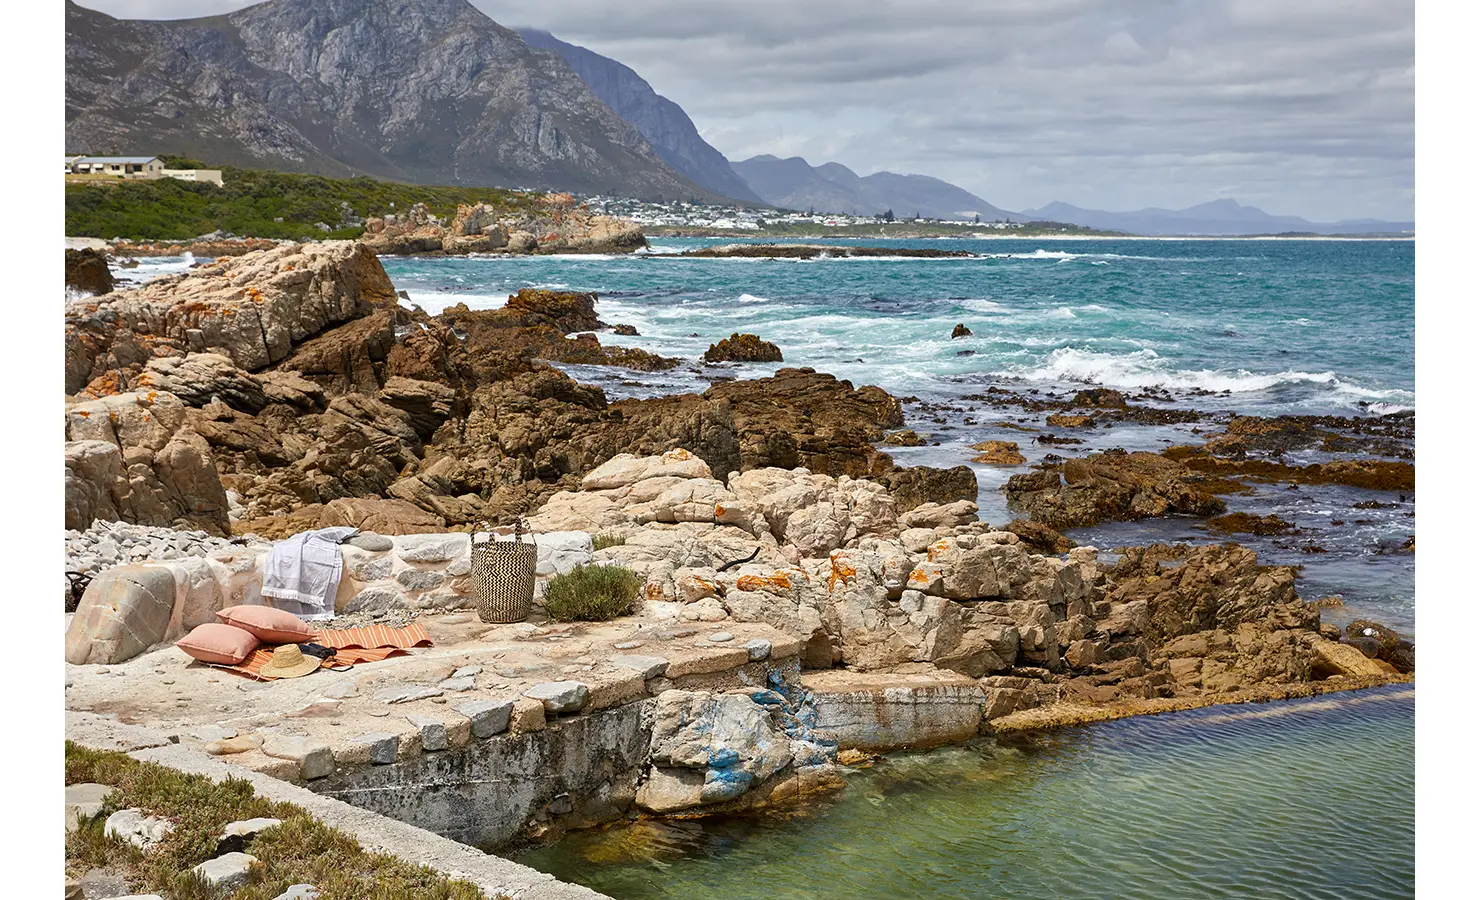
{"x": 1300, "y": 107}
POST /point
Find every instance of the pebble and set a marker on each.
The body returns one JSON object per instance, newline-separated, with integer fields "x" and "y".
{"x": 720, "y": 637}
{"x": 105, "y": 544}
{"x": 378, "y": 713}
{"x": 627, "y": 645}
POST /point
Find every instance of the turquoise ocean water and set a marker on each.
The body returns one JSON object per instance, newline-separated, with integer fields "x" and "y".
{"x": 1260, "y": 327}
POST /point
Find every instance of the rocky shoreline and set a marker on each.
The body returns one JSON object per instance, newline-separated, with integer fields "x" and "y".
{"x": 554, "y": 223}
{"x": 291, "y": 388}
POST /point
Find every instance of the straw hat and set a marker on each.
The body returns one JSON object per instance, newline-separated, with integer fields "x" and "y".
{"x": 289, "y": 662}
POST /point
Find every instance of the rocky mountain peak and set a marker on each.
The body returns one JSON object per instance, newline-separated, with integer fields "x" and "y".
{"x": 429, "y": 92}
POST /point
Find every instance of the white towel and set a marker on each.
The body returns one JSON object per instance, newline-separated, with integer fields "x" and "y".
{"x": 303, "y": 572}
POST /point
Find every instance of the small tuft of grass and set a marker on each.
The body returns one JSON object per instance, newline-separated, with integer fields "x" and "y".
{"x": 592, "y": 594}
{"x": 602, "y": 541}
{"x": 302, "y": 850}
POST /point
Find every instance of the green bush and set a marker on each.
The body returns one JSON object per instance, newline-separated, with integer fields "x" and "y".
{"x": 251, "y": 202}
{"x": 602, "y": 541}
{"x": 591, "y": 594}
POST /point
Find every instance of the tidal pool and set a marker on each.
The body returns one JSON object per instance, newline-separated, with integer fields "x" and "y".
{"x": 1301, "y": 799}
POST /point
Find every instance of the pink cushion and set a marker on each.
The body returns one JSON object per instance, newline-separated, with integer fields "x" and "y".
{"x": 217, "y": 643}
{"x": 271, "y": 626}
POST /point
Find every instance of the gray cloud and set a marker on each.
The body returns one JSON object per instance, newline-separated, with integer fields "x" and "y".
{"x": 1301, "y": 108}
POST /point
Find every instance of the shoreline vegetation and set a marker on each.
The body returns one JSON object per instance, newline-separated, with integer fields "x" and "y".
{"x": 146, "y": 217}
{"x": 287, "y": 845}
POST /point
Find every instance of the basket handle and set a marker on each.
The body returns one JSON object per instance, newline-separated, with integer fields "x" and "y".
{"x": 521, "y": 528}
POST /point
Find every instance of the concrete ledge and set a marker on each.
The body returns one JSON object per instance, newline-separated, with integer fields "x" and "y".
{"x": 886, "y": 711}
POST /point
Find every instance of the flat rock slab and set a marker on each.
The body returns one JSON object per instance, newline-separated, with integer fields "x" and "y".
{"x": 405, "y": 693}
{"x": 488, "y": 717}
{"x": 560, "y": 696}
{"x": 458, "y": 684}
{"x": 213, "y": 732}
{"x": 239, "y": 744}
{"x": 369, "y": 540}
{"x": 84, "y": 801}
{"x": 649, "y": 666}
{"x": 383, "y": 746}
{"x": 433, "y": 548}
{"x": 299, "y": 892}
{"x": 133, "y": 826}
{"x": 226, "y": 873}
{"x": 314, "y": 758}
{"x": 433, "y": 732}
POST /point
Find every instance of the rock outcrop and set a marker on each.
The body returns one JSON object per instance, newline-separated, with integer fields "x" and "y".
{"x": 87, "y": 271}
{"x": 554, "y": 224}
{"x": 252, "y": 309}
{"x": 742, "y": 348}
{"x": 1115, "y": 486}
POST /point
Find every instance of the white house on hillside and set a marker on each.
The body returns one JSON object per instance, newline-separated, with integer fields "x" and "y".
{"x": 136, "y": 167}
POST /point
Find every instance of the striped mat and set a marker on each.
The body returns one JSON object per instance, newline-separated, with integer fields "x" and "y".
{"x": 375, "y": 636}
{"x": 351, "y": 645}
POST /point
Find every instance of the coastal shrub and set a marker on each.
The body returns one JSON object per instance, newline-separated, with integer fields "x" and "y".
{"x": 602, "y": 541}
{"x": 257, "y": 203}
{"x": 302, "y": 850}
{"x": 591, "y": 594}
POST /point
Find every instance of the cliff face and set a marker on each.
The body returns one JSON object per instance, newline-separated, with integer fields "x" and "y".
{"x": 664, "y": 123}
{"x": 430, "y": 92}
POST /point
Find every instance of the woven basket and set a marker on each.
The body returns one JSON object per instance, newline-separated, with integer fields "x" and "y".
{"x": 503, "y": 579}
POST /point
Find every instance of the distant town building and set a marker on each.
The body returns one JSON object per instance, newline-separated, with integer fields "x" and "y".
{"x": 132, "y": 167}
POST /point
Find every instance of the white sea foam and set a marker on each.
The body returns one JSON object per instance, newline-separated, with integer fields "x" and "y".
{"x": 752, "y": 298}
{"x": 986, "y": 306}
{"x": 1063, "y": 312}
{"x": 1144, "y": 368}
{"x": 434, "y": 302}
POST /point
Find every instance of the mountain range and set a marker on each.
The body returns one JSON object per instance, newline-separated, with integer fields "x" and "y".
{"x": 428, "y": 92}
{"x": 833, "y": 187}
{"x": 1219, "y": 217}
{"x": 436, "y": 92}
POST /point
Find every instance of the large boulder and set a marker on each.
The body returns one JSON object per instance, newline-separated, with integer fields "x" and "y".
{"x": 87, "y": 271}
{"x": 252, "y": 309}
{"x": 1115, "y": 486}
{"x": 125, "y": 610}
{"x": 709, "y": 749}
{"x": 165, "y": 473}
{"x": 197, "y": 378}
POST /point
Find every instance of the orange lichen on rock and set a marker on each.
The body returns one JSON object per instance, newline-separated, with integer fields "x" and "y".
{"x": 842, "y": 571}
{"x": 778, "y": 581}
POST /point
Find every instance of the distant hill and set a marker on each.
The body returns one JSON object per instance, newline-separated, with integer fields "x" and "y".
{"x": 834, "y": 188}
{"x": 431, "y": 92}
{"x": 1219, "y": 217}
{"x": 664, "y": 123}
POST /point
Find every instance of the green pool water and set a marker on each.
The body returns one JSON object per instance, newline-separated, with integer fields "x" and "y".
{"x": 1302, "y": 799}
